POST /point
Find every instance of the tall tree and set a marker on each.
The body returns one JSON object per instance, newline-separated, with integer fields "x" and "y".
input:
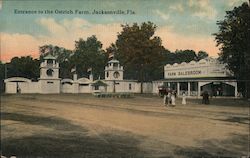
{"x": 140, "y": 51}
{"x": 233, "y": 39}
{"x": 24, "y": 67}
{"x": 89, "y": 54}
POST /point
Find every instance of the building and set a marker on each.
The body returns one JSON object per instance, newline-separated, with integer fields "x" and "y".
{"x": 192, "y": 78}
{"x": 49, "y": 81}
{"x": 116, "y": 83}
{"x": 197, "y": 76}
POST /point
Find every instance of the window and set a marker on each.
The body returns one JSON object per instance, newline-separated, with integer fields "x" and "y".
{"x": 107, "y": 74}
{"x": 115, "y": 65}
{"x": 50, "y": 62}
{"x": 116, "y": 74}
{"x": 130, "y": 86}
{"x": 49, "y": 72}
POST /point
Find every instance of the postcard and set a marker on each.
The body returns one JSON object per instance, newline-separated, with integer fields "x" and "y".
{"x": 124, "y": 79}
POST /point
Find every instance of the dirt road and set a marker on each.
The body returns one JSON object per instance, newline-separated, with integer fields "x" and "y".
{"x": 84, "y": 126}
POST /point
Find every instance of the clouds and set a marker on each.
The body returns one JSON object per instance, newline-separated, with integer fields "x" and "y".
{"x": 62, "y": 33}
{"x": 18, "y": 44}
{"x": 66, "y": 31}
{"x": 1, "y": 4}
{"x": 197, "y": 8}
{"x": 172, "y": 41}
{"x": 177, "y": 7}
{"x": 182, "y": 24}
{"x": 235, "y": 2}
{"x": 161, "y": 14}
{"x": 203, "y": 9}
{"x": 52, "y": 26}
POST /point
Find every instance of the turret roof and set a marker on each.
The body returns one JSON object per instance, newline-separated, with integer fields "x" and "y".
{"x": 49, "y": 56}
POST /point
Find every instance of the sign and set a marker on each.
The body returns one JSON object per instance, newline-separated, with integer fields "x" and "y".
{"x": 184, "y": 73}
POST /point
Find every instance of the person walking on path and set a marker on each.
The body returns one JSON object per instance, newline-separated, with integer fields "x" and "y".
{"x": 184, "y": 98}
{"x": 173, "y": 99}
{"x": 169, "y": 98}
{"x": 165, "y": 99}
{"x": 205, "y": 98}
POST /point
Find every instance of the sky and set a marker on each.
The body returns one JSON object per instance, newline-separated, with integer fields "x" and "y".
{"x": 181, "y": 24}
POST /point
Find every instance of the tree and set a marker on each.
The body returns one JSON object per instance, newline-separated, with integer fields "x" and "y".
{"x": 23, "y": 67}
{"x": 233, "y": 39}
{"x": 140, "y": 52}
{"x": 2, "y": 76}
{"x": 201, "y": 55}
{"x": 89, "y": 54}
{"x": 111, "y": 51}
{"x": 184, "y": 56}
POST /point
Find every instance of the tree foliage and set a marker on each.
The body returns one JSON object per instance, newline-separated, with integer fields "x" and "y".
{"x": 233, "y": 39}
{"x": 140, "y": 51}
{"x": 89, "y": 54}
{"x": 180, "y": 56}
{"x": 201, "y": 55}
{"x": 60, "y": 53}
{"x": 23, "y": 67}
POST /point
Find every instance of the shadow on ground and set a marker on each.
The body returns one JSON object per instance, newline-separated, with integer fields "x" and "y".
{"x": 236, "y": 119}
{"x": 229, "y": 102}
{"x": 236, "y": 146}
{"x": 67, "y": 140}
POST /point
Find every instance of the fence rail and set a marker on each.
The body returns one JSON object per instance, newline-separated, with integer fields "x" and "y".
{"x": 113, "y": 95}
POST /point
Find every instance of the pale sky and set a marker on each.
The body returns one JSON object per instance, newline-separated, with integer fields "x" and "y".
{"x": 181, "y": 24}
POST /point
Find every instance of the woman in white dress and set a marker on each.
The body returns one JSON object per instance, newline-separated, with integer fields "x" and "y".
{"x": 173, "y": 98}
{"x": 184, "y": 102}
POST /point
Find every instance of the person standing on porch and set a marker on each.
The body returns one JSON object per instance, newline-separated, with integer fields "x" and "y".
{"x": 184, "y": 98}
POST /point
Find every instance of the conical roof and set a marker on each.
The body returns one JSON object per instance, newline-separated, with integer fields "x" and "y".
{"x": 49, "y": 56}
{"x": 113, "y": 61}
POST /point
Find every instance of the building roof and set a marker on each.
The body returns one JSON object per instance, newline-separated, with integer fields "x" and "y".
{"x": 113, "y": 61}
{"x": 99, "y": 83}
{"x": 84, "y": 80}
{"x": 49, "y": 56}
{"x": 196, "y": 79}
{"x": 17, "y": 79}
{"x": 193, "y": 62}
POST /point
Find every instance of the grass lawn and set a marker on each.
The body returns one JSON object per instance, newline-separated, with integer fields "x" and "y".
{"x": 69, "y": 125}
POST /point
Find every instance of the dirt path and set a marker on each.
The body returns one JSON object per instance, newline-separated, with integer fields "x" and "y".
{"x": 183, "y": 131}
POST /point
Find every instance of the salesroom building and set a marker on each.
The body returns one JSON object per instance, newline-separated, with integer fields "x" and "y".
{"x": 195, "y": 77}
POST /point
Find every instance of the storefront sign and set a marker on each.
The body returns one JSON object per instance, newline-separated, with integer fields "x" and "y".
{"x": 185, "y": 73}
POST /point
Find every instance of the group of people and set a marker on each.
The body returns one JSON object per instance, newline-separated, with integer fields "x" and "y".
{"x": 170, "y": 97}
